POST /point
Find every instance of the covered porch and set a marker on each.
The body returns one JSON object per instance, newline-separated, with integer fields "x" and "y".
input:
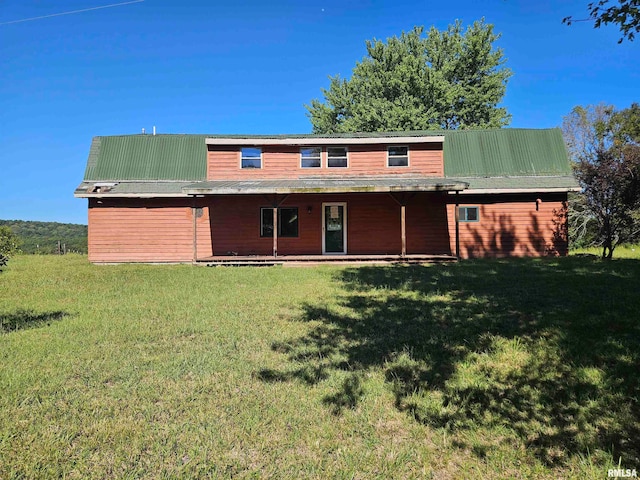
{"x": 319, "y": 220}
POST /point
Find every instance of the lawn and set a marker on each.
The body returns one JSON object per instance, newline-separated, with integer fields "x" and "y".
{"x": 524, "y": 368}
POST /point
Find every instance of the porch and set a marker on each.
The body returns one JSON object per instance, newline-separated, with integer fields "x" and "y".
{"x": 308, "y": 260}
{"x": 400, "y": 219}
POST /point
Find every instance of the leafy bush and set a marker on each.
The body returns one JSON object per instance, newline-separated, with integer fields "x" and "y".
{"x": 8, "y": 245}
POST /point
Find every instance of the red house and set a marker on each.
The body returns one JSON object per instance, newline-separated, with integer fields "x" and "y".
{"x": 393, "y": 195}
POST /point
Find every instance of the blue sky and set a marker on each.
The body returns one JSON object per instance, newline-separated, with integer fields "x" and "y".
{"x": 247, "y": 67}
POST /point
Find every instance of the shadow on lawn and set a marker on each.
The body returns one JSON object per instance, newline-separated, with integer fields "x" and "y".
{"x": 546, "y": 349}
{"x": 24, "y": 319}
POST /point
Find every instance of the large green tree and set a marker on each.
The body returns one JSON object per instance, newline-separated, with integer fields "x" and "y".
{"x": 605, "y": 147}
{"x": 446, "y": 79}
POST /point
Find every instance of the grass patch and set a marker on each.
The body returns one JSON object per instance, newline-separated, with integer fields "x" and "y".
{"x": 621, "y": 251}
{"x": 487, "y": 369}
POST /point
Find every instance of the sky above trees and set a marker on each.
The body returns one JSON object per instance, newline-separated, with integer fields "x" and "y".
{"x": 248, "y": 67}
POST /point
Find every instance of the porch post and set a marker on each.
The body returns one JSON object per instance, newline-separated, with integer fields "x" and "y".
{"x": 194, "y": 211}
{"x": 275, "y": 231}
{"x": 457, "y": 214}
{"x": 403, "y": 229}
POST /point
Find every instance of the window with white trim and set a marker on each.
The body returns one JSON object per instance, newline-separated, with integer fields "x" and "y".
{"x": 397, "y": 156}
{"x": 468, "y": 214}
{"x": 310, "y": 157}
{"x": 337, "y": 157}
{"x": 287, "y": 222}
{"x": 251, "y": 157}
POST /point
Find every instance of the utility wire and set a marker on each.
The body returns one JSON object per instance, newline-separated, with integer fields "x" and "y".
{"x": 71, "y": 12}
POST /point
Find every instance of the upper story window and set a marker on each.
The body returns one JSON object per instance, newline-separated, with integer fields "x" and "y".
{"x": 468, "y": 214}
{"x": 398, "y": 156}
{"x": 251, "y": 157}
{"x": 310, "y": 157}
{"x": 337, "y": 157}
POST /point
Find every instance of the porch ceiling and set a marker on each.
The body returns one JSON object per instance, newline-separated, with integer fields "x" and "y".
{"x": 325, "y": 185}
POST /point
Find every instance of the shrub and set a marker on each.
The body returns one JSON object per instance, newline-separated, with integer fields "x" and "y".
{"x": 8, "y": 245}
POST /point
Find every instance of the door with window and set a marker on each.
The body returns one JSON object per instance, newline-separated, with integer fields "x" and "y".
{"x": 334, "y": 228}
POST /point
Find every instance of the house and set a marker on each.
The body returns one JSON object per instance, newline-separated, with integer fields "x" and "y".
{"x": 184, "y": 198}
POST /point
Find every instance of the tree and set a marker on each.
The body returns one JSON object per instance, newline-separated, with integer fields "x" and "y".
{"x": 605, "y": 146}
{"x": 8, "y": 245}
{"x": 625, "y": 13}
{"x": 449, "y": 79}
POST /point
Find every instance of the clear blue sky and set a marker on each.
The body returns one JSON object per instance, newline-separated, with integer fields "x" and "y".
{"x": 194, "y": 66}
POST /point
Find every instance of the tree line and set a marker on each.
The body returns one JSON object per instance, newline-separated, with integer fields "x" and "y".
{"x": 43, "y": 237}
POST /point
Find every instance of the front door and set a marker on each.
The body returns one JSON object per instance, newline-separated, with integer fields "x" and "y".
{"x": 334, "y": 228}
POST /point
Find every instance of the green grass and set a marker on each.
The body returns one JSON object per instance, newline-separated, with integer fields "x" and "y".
{"x": 622, "y": 251}
{"x": 524, "y": 368}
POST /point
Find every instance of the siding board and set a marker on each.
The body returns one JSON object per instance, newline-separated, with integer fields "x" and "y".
{"x": 139, "y": 230}
{"x": 512, "y": 225}
{"x": 282, "y": 162}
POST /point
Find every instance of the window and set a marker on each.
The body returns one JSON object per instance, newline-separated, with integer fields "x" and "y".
{"x": 251, "y": 157}
{"x": 398, "y": 156}
{"x": 287, "y": 222}
{"x": 310, "y": 157}
{"x": 468, "y": 214}
{"x": 337, "y": 157}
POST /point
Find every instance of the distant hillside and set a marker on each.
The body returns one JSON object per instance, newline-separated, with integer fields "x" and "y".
{"x": 43, "y": 237}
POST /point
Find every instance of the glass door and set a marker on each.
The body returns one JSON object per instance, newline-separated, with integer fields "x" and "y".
{"x": 334, "y": 228}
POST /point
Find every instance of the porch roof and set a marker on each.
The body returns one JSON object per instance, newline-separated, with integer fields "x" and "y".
{"x": 326, "y": 185}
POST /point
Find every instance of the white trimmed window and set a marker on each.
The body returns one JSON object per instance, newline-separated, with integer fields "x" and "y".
{"x": 310, "y": 157}
{"x": 468, "y": 214}
{"x": 337, "y": 157}
{"x": 397, "y": 156}
{"x": 251, "y": 157}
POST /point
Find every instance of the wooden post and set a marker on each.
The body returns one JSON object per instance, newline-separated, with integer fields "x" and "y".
{"x": 275, "y": 231}
{"x": 457, "y": 214}
{"x": 194, "y": 211}
{"x": 403, "y": 229}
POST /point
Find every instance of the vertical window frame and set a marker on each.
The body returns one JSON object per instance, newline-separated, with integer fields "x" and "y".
{"x": 319, "y": 158}
{"x": 346, "y": 156}
{"x": 465, "y": 217}
{"x": 389, "y": 156}
{"x": 243, "y": 158}
{"x": 280, "y": 235}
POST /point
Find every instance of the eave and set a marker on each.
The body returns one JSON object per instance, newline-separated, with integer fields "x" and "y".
{"x": 315, "y": 141}
{"x": 325, "y": 185}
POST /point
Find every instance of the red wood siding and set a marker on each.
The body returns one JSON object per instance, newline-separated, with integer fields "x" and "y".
{"x": 161, "y": 230}
{"x": 223, "y": 163}
{"x": 510, "y": 225}
{"x": 146, "y": 230}
{"x": 373, "y": 224}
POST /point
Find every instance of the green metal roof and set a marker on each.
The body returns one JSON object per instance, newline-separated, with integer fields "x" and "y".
{"x": 505, "y": 152}
{"x": 467, "y": 153}
{"x": 147, "y": 157}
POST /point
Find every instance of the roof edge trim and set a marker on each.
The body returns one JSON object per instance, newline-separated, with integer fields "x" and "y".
{"x": 131, "y": 195}
{"x": 520, "y": 190}
{"x": 323, "y": 141}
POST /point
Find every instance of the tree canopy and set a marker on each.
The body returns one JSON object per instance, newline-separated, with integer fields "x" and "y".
{"x": 605, "y": 146}
{"x": 624, "y": 13}
{"x": 446, "y": 79}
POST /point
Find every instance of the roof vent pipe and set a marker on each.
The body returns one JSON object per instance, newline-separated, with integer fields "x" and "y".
{"x": 154, "y": 129}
